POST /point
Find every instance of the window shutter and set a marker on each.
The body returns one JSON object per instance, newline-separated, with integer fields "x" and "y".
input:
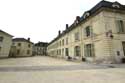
{"x": 124, "y": 26}
{"x": 84, "y": 32}
{"x": 85, "y": 51}
{"x": 93, "y": 50}
{"x": 91, "y": 31}
{"x": 118, "y": 26}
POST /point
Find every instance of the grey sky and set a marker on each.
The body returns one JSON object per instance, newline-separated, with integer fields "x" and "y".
{"x": 41, "y": 19}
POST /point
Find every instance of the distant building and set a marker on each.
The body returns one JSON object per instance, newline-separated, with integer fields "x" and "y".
{"x": 21, "y": 47}
{"x": 40, "y": 48}
{"x": 97, "y": 36}
{"x": 5, "y": 43}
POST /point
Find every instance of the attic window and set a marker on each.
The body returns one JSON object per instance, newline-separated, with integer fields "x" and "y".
{"x": 86, "y": 14}
{"x": 116, "y": 5}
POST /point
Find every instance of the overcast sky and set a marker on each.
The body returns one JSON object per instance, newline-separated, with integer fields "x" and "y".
{"x": 41, "y": 19}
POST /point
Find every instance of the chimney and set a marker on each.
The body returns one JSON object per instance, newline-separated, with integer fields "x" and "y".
{"x": 28, "y": 39}
{"x": 59, "y": 32}
{"x": 78, "y": 18}
{"x": 67, "y": 26}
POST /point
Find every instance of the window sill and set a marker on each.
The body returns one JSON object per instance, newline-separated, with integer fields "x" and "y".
{"x": 77, "y": 40}
{"x": 121, "y": 32}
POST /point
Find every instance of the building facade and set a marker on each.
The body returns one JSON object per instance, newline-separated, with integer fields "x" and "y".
{"x": 40, "y": 48}
{"x": 97, "y": 36}
{"x": 21, "y": 47}
{"x": 5, "y": 44}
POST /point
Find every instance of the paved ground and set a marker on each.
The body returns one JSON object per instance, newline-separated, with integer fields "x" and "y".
{"x": 50, "y": 70}
{"x": 35, "y": 61}
{"x": 77, "y": 76}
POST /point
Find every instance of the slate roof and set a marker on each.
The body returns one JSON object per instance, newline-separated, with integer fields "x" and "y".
{"x": 101, "y": 4}
{"x": 21, "y": 40}
{"x": 5, "y": 33}
{"x": 43, "y": 44}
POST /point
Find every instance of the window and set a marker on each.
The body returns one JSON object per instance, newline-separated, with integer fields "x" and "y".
{"x": 62, "y": 51}
{"x": 77, "y": 51}
{"x": 0, "y": 48}
{"x": 66, "y": 41}
{"x": 89, "y": 50}
{"x": 60, "y": 43}
{"x": 18, "y": 52}
{"x": 115, "y": 6}
{"x": 59, "y": 51}
{"x": 66, "y": 51}
{"x": 19, "y": 44}
{"x": 13, "y": 43}
{"x": 123, "y": 45}
{"x": 29, "y": 45}
{"x": 88, "y": 31}
{"x": 76, "y": 36}
{"x": 28, "y": 51}
{"x": 86, "y": 14}
{"x": 1, "y": 39}
{"x": 63, "y": 42}
{"x": 120, "y": 26}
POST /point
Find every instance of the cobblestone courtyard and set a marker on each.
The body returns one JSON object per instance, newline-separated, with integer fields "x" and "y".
{"x": 50, "y": 70}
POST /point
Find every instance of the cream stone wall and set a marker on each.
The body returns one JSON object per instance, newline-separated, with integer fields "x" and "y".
{"x": 116, "y": 42}
{"x": 105, "y": 47}
{"x": 5, "y": 45}
{"x": 23, "y": 49}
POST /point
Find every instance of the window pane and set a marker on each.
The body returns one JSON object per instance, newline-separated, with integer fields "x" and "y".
{"x": 19, "y": 44}
{"x": 120, "y": 26}
{"x": 66, "y": 41}
{"x": 77, "y": 51}
{"x": 29, "y": 45}
{"x": 1, "y": 39}
{"x": 76, "y": 36}
{"x": 18, "y": 52}
{"x": 88, "y": 31}
{"x": 28, "y": 51}
{"x": 89, "y": 50}
{"x": 0, "y": 48}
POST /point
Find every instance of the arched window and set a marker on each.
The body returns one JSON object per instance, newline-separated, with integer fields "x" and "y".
{"x": 77, "y": 51}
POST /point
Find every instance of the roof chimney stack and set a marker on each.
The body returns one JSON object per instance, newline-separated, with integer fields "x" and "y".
{"x": 28, "y": 39}
{"x": 59, "y": 32}
{"x": 67, "y": 26}
{"x": 78, "y": 18}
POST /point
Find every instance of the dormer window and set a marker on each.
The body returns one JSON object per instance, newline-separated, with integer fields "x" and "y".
{"x": 88, "y": 31}
{"x": 86, "y": 14}
{"x": 1, "y": 39}
{"x": 116, "y": 5}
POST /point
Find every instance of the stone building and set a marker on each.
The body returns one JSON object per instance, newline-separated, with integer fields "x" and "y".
{"x": 5, "y": 44}
{"x": 97, "y": 36}
{"x": 21, "y": 47}
{"x": 40, "y": 48}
